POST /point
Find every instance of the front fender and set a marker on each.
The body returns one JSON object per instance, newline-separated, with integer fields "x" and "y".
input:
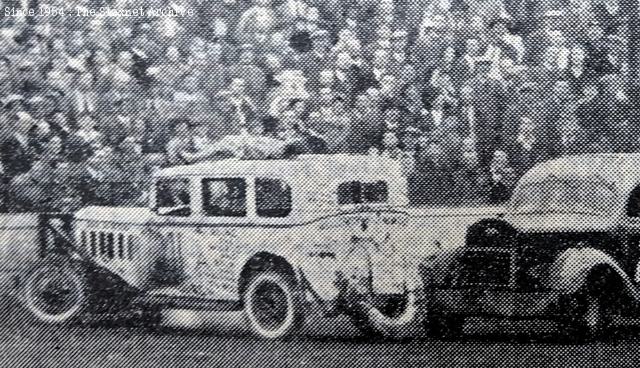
{"x": 572, "y": 267}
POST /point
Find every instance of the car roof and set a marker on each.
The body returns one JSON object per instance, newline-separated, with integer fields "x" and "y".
{"x": 302, "y": 167}
{"x": 619, "y": 169}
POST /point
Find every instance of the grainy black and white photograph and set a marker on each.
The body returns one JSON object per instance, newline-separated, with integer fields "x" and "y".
{"x": 319, "y": 183}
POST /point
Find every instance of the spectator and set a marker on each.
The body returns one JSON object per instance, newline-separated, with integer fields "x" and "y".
{"x": 489, "y": 104}
{"x": 320, "y": 55}
{"x": 121, "y": 78}
{"x": 299, "y": 139}
{"x": 97, "y": 178}
{"x": 429, "y": 46}
{"x": 576, "y": 73}
{"x": 399, "y": 47}
{"x": 572, "y": 140}
{"x": 349, "y": 78}
{"x": 445, "y": 69}
{"x": 292, "y": 88}
{"x": 390, "y": 147}
{"x": 501, "y": 179}
{"x": 83, "y": 97}
{"x": 556, "y": 56}
{"x": 390, "y": 90}
{"x": 469, "y": 182}
{"x": 102, "y": 69}
{"x": 560, "y": 100}
{"x": 335, "y": 127}
{"x": 240, "y": 104}
{"x": 380, "y": 65}
{"x": 272, "y": 68}
{"x": 466, "y": 65}
{"x": 88, "y": 133}
{"x": 503, "y": 43}
{"x": 610, "y": 15}
{"x": 619, "y": 112}
{"x": 52, "y": 151}
{"x": 596, "y": 62}
{"x": 59, "y": 77}
{"x": 16, "y": 152}
{"x": 173, "y": 70}
{"x": 591, "y": 113}
{"x": 180, "y": 146}
{"x": 60, "y": 125}
{"x": 31, "y": 191}
{"x": 410, "y": 93}
{"x": 432, "y": 176}
{"x": 467, "y": 113}
{"x": 392, "y": 119}
{"x": 529, "y": 148}
{"x": 190, "y": 100}
{"x": 456, "y": 72}
{"x": 247, "y": 69}
{"x": 541, "y": 39}
{"x": 256, "y": 23}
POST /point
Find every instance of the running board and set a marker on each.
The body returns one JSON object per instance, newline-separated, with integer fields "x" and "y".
{"x": 188, "y": 302}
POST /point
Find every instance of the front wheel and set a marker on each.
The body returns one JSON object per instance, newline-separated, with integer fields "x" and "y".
{"x": 56, "y": 291}
{"x": 586, "y": 319}
{"x": 274, "y": 306}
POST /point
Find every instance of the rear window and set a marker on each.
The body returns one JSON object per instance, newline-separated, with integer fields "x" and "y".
{"x": 273, "y": 198}
{"x": 355, "y": 192}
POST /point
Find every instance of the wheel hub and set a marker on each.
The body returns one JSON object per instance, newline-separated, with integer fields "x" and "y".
{"x": 270, "y": 306}
{"x": 55, "y": 292}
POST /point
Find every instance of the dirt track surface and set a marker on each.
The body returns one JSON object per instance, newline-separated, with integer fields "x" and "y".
{"x": 221, "y": 342}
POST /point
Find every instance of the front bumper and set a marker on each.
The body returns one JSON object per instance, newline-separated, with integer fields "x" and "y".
{"x": 494, "y": 303}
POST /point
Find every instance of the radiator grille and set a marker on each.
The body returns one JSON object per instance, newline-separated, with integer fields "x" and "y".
{"x": 485, "y": 267}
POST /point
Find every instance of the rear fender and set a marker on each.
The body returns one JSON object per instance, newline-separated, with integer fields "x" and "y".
{"x": 569, "y": 273}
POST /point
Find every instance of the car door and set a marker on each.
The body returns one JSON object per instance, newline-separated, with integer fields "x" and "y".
{"x": 217, "y": 239}
{"x": 173, "y": 224}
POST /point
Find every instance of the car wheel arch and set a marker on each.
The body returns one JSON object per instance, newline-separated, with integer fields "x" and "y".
{"x": 584, "y": 269}
{"x": 265, "y": 261}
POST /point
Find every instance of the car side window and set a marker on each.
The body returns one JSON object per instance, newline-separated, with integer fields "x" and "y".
{"x": 355, "y": 192}
{"x": 633, "y": 204}
{"x": 224, "y": 197}
{"x": 273, "y": 198}
{"x": 376, "y": 192}
{"x": 173, "y": 197}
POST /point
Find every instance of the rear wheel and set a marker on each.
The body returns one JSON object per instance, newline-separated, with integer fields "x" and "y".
{"x": 273, "y": 305}
{"x": 56, "y": 291}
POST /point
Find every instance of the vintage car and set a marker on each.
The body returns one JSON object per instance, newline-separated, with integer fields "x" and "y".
{"x": 275, "y": 238}
{"x": 567, "y": 248}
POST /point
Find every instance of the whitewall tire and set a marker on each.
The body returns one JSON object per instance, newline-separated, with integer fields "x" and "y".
{"x": 273, "y": 306}
{"x": 55, "y": 292}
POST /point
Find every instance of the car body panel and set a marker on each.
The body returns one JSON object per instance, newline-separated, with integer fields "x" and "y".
{"x": 571, "y": 244}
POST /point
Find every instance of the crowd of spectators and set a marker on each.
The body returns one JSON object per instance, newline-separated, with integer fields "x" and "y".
{"x": 468, "y": 94}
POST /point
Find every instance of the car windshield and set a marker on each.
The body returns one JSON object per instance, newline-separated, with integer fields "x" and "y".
{"x": 592, "y": 195}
